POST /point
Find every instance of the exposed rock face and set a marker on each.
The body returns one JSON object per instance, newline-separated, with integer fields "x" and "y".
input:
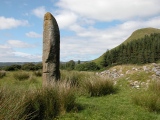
{"x": 51, "y": 50}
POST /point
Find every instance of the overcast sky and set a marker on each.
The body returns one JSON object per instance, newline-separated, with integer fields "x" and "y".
{"x": 87, "y": 27}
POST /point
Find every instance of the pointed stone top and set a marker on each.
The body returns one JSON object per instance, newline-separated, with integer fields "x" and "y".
{"x": 48, "y": 16}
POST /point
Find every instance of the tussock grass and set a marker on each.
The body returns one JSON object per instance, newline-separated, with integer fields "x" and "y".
{"x": 38, "y": 73}
{"x": 89, "y": 83}
{"x": 2, "y": 73}
{"x": 98, "y": 86}
{"x": 36, "y": 104}
{"x": 74, "y": 77}
{"x": 21, "y": 75}
{"x": 49, "y": 102}
{"x": 150, "y": 99}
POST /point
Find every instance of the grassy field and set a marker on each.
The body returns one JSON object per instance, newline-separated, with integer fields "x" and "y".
{"x": 118, "y": 106}
{"x": 23, "y": 97}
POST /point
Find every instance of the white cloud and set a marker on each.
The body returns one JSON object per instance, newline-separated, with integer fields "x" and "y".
{"x": 108, "y": 10}
{"x": 8, "y": 54}
{"x": 5, "y": 51}
{"x": 39, "y": 12}
{"x": 19, "y": 44}
{"x": 8, "y": 23}
{"x": 28, "y": 56}
{"x": 65, "y": 19}
{"x": 33, "y": 35}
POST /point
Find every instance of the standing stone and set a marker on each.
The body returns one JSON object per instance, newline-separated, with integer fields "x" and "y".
{"x": 51, "y": 50}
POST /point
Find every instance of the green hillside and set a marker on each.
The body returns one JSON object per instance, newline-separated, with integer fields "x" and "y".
{"x": 140, "y": 33}
{"x": 136, "y": 35}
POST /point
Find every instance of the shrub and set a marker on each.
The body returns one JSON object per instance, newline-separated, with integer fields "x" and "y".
{"x": 38, "y": 66}
{"x": 2, "y": 73}
{"x": 150, "y": 99}
{"x": 21, "y": 76}
{"x": 99, "y": 86}
{"x": 88, "y": 66}
{"x": 38, "y": 73}
{"x": 70, "y": 65}
{"x": 49, "y": 102}
{"x": 12, "y": 67}
{"x": 28, "y": 66}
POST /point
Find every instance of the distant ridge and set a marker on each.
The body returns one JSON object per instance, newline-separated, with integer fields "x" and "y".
{"x": 2, "y": 64}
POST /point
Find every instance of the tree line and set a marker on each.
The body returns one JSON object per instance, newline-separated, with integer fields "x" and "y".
{"x": 26, "y": 66}
{"x": 139, "y": 51}
{"x": 86, "y": 66}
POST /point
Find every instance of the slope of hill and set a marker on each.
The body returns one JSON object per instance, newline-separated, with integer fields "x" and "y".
{"x": 136, "y": 35}
{"x": 140, "y": 33}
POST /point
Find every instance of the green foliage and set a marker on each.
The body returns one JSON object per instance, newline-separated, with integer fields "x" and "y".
{"x": 88, "y": 66}
{"x": 21, "y": 76}
{"x": 68, "y": 65}
{"x": 140, "y": 51}
{"x": 79, "y": 62}
{"x": 149, "y": 99}
{"x": 38, "y": 66}
{"x": 12, "y": 67}
{"x": 97, "y": 86}
{"x": 28, "y": 66}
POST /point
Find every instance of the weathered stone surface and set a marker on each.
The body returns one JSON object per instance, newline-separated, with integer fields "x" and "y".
{"x": 51, "y": 50}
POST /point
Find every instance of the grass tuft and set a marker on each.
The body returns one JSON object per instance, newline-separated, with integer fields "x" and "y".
{"x": 36, "y": 104}
{"x": 21, "y": 76}
{"x": 96, "y": 86}
{"x": 47, "y": 103}
{"x": 74, "y": 77}
{"x": 150, "y": 99}
{"x": 38, "y": 73}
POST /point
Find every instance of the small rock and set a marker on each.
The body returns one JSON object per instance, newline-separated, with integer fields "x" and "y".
{"x": 158, "y": 73}
{"x": 134, "y": 69}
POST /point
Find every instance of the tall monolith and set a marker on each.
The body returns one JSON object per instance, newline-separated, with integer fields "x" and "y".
{"x": 51, "y": 50}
